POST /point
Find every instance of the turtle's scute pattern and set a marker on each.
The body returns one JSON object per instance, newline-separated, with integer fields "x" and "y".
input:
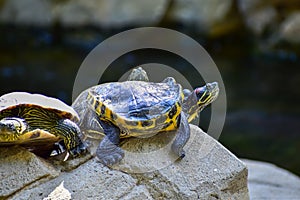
{"x": 136, "y": 107}
{"x": 15, "y": 99}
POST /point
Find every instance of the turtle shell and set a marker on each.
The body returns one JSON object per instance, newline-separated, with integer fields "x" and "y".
{"x": 16, "y": 100}
{"x": 138, "y": 107}
{"x": 38, "y": 141}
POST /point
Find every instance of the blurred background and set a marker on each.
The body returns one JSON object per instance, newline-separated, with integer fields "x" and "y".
{"x": 255, "y": 45}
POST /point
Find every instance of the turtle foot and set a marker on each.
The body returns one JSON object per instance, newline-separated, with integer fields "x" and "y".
{"x": 178, "y": 151}
{"x": 111, "y": 156}
{"x": 80, "y": 149}
{"x": 58, "y": 148}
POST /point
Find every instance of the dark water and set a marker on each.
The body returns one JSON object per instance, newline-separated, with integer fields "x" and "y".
{"x": 262, "y": 85}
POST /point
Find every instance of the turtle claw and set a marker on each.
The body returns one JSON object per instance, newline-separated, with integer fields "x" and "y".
{"x": 182, "y": 155}
{"x": 178, "y": 150}
{"x": 58, "y": 148}
{"x": 80, "y": 149}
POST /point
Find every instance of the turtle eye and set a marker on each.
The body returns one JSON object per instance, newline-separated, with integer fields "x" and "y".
{"x": 201, "y": 93}
{"x": 11, "y": 127}
{"x": 200, "y": 90}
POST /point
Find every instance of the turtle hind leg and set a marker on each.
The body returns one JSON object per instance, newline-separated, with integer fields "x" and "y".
{"x": 108, "y": 151}
{"x": 80, "y": 149}
{"x": 182, "y": 136}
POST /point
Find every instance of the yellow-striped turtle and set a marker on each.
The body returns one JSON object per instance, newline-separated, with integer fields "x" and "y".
{"x": 140, "y": 108}
{"x": 38, "y": 122}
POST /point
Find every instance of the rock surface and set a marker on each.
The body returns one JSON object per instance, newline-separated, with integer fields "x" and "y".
{"x": 110, "y": 13}
{"x": 257, "y": 15}
{"x": 202, "y": 13}
{"x": 20, "y": 168}
{"x": 266, "y": 181}
{"x": 209, "y": 171}
{"x": 59, "y": 193}
{"x": 79, "y": 12}
{"x": 29, "y": 12}
{"x": 290, "y": 28}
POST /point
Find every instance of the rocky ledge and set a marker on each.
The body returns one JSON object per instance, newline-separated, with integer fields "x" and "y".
{"x": 208, "y": 171}
{"x": 267, "y": 181}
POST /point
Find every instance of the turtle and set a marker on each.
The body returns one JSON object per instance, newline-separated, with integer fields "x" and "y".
{"x": 140, "y": 108}
{"x": 37, "y": 122}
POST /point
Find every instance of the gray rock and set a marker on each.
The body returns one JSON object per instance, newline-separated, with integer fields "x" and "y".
{"x": 91, "y": 180}
{"x": 246, "y": 6}
{"x": 110, "y": 13}
{"x": 114, "y": 13}
{"x": 138, "y": 192}
{"x": 259, "y": 19}
{"x": 258, "y": 15}
{"x": 30, "y": 12}
{"x": 59, "y": 193}
{"x": 208, "y": 171}
{"x": 290, "y": 28}
{"x": 202, "y": 13}
{"x": 267, "y": 181}
{"x": 80, "y": 12}
{"x": 20, "y": 168}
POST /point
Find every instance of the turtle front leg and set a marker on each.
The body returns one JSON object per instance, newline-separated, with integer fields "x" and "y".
{"x": 182, "y": 136}
{"x": 108, "y": 150}
{"x": 186, "y": 93}
{"x": 70, "y": 132}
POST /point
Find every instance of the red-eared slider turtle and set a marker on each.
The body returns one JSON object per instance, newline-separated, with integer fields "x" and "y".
{"x": 140, "y": 108}
{"x": 36, "y": 120}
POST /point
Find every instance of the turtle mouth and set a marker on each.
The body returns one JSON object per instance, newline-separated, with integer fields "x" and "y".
{"x": 7, "y": 129}
{"x": 207, "y": 93}
{"x": 213, "y": 89}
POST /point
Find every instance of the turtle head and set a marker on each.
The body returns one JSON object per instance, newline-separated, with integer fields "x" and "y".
{"x": 138, "y": 74}
{"x": 207, "y": 94}
{"x": 200, "y": 98}
{"x": 12, "y": 127}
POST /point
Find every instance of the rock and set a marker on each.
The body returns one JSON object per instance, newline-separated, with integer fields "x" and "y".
{"x": 202, "y": 13}
{"x": 114, "y": 13}
{"x": 260, "y": 19}
{"x": 137, "y": 193}
{"x": 246, "y": 6}
{"x": 290, "y": 28}
{"x": 110, "y": 13}
{"x": 91, "y": 180}
{"x": 59, "y": 193}
{"x": 29, "y": 12}
{"x": 81, "y": 13}
{"x": 257, "y": 15}
{"x": 20, "y": 168}
{"x": 209, "y": 171}
{"x": 266, "y": 181}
